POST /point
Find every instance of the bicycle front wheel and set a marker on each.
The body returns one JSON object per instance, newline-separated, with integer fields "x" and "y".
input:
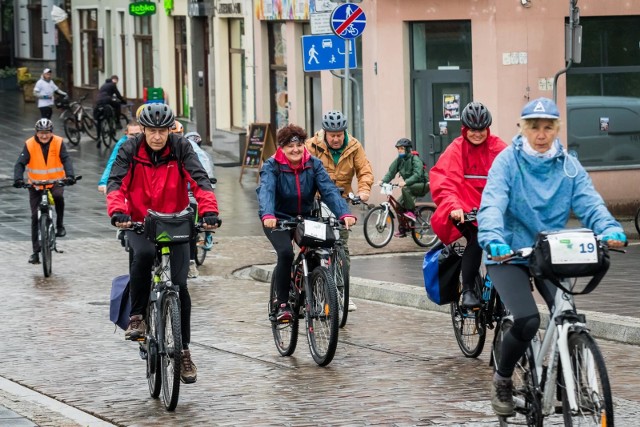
{"x": 423, "y": 234}
{"x": 201, "y": 253}
{"x": 171, "y": 358}
{"x": 71, "y": 130}
{"x": 106, "y": 129}
{"x": 468, "y": 326}
{"x": 154, "y": 375}
{"x": 322, "y": 318}
{"x": 378, "y": 227}
{"x": 592, "y": 390}
{"x": 46, "y": 234}
{"x": 340, "y": 274}
{"x": 285, "y": 334}
{"x": 90, "y": 127}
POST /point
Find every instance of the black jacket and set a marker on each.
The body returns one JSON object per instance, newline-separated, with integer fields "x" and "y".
{"x": 106, "y": 92}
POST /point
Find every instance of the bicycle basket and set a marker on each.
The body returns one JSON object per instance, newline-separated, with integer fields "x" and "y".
{"x": 62, "y": 103}
{"x": 567, "y": 254}
{"x": 169, "y": 229}
{"x": 314, "y": 235}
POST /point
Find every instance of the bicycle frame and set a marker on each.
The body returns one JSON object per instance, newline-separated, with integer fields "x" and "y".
{"x": 162, "y": 286}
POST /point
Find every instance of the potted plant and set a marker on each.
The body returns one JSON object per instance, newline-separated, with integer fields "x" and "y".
{"x": 8, "y": 79}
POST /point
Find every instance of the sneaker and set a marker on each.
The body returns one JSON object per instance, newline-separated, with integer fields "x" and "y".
{"x": 188, "y": 370}
{"x": 470, "y": 300}
{"x": 284, "y": 313}
{"x": 400, "y": 233}
{"x": 34, "y": 258}
{"x": 193, "y": 270}
{"x": 502, "y": 397}
{"x": 136, "y": 328}
{"x": 410, "y": 215}
{"x": 60, "y": 231}
{"x": 352, "y": 305}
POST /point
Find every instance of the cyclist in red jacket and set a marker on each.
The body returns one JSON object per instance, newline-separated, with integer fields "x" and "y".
{"x": 152, "y": 171}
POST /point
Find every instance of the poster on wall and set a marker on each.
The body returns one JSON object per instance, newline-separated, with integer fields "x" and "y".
{"x": 451, "y": 106}
{"x": 284, "y": 9}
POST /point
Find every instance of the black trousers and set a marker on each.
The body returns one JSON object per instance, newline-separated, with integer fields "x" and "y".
{"x": 34, "y": 202}
{"x": 142, "y": 254}
{"x": 45, "y": 112}
{"x": 281, "y": 241}
{"x": 472, "y": 256}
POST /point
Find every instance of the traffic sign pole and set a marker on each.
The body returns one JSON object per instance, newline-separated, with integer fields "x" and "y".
{"x": 347, "y": 82}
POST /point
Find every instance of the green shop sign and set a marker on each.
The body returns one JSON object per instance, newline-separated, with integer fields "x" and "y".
{"x": 142, "y": 8}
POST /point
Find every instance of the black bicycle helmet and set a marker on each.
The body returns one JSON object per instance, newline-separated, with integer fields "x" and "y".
{"x": 404, "y": 142}
{"x": 334, "y": 121}
{"x": 194, "y": 137}
{"x": 44, "y": 124}
{"x": 476, "y": 116}
{"x": 157, "y": 115}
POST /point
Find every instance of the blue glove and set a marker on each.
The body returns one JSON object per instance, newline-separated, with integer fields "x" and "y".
{"x": 46, "y": 97}
{"x": 615, "y": 236}
{"x": 499, "y": 249}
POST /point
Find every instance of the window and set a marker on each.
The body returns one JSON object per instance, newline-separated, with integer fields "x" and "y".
{"x": 144, "y": 52}
{"x": 182, "y": 79}
{"x": 35, "y": 27}
{"x": 278, "y": 75}
{"x": 91, "y": 59}
{"x": 441, "y": 44}
{"x": 237, "y": 74}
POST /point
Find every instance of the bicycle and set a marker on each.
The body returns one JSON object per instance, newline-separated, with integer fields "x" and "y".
{"x": 312, "y": 294}
{"x": 46, "y": 227}
{"x": 110, "y": 127}
{"x": 77, "y": 119}
{"x": 379, "y": 223}
{"x": 204, "y": 239}
{"x": 636, "y": 221}
{"x": 161, "y": 346}
{"x": 470, "y": 325}
{"x": 564, "y": 363}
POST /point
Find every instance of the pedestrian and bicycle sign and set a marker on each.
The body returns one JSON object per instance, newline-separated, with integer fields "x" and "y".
{"x": 326, "y": 52}
{"x": 348, "y": 21}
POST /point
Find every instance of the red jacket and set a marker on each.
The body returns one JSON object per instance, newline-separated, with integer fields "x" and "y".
{"x": 458, "y": 179}
{"x": 139, "y": 182}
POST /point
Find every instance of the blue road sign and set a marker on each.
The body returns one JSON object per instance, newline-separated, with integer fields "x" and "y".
{"x": 326, "y": 52}
{"x": 348, "y": 21}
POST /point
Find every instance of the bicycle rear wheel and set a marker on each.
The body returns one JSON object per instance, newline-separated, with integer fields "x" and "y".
{"x": 172, "y": 356}
{"x": 378, "y": 227}
{"x": 285, "y": 335}
{"x": 90, "y": 127}
{"x": 154, "y": 374}
{"x": 322, "y": 318}
{"x": 423, "y": 234}
{"x": 46, "y": 234}
{"x": 340, "y": 274}
{"x": 592, "y": 390}
{"x": 468, "y": 325}
{"x": 72, "y": 130}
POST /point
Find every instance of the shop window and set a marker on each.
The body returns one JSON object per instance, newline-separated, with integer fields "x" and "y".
{"x": 91, "y": 51}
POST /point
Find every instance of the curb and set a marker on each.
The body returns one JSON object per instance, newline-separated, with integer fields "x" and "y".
{"x": 621, "y": 329}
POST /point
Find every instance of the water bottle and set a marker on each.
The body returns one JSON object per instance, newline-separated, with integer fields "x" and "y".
{"x": 486, "y": 290}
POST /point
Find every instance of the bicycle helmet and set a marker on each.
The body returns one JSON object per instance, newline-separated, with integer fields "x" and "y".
{"x": 194, "y": 137}
{"x": 138, "y": 111}
{"x": 404, "y": 142}
{"x": 334, "y": 121}
{"x": 44, "y": 125}
{"x": 157, "y": 116}
{"x": 476, "y": 116}
{"x": 177, "y": 127}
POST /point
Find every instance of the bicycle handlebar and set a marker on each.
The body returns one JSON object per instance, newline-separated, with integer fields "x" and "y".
{"x": 138, "y": 227}
{"x": 55, "y": 182}
{"x": 284, "y": 224}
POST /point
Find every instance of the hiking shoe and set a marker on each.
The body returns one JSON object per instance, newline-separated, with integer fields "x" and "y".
{"x": 188, "y": 370}
{"x": 34, "y": 258}
{"x": 470, "y": 300}
{"x": 60, "y": 231}
{"x": 502, "y": 397}
{"x": 284, "y": 313}
{"x": 410, "y": 215}
{"x": 136, "y": 328}
{"x": 352, "y": 306}
{"x": 193, "y": 270}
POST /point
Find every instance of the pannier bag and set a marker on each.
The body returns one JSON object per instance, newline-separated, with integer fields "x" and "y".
{"x": 441, "y": 270}
{"x": 120, "y": 305}
{"x": 567, "y": 254}
{"x": 314, "y": 234}
{"x": 169, "y": 229}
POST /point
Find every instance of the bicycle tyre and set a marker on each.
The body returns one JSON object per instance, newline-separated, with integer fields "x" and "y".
{"x": 378, "y": 230}
{"x": 636, "y": 221}
{"x": 172, "y": 357}
{"x": 340, "y": 274}
{"x": 591, "y": 384}
{"x": 201, "y": 253}
{"x": 468, "y": 327}
{"x": 119, "y": 125}
{"x": 285, "y": 335}
{"x": 423, "y": 234}
{"x": 322, "y": 318}
{"x": 154, "y": 374}
{"x": 45, "y": 244}
{"x": 90, "y": 127}
{"x": 72, "y": 130}
{"x": 105, "y": 131}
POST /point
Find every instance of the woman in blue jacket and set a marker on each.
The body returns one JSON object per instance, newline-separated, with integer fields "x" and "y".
{"x": 289, "y": 181}
{"x": 533, "y": 186}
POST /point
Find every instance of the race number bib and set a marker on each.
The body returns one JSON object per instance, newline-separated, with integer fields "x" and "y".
{"x": 573, "y": 248}
{"x": 315, "y": 229}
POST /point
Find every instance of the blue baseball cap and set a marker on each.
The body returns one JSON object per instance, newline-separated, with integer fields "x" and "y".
{"x": 541, "y": 108}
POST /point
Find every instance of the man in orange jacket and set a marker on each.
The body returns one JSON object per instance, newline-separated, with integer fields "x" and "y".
{"x": 44, "y": 157}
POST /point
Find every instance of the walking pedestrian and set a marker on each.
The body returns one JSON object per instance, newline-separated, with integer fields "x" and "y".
{"x": 44, "y": 90}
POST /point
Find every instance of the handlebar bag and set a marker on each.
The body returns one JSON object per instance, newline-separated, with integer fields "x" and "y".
{"x": 314, "y": 234}
{"x": 567, "y": 254}
{"x": 169, "y": 229}
{"x": 441, "y": 271}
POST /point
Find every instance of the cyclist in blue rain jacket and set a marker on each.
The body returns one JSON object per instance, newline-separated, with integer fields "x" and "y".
{"x": 533, "y": 186}
{"x": 289, "y": 181}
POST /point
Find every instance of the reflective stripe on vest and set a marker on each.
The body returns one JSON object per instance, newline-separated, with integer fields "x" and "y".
{"x": 38, "y": 169}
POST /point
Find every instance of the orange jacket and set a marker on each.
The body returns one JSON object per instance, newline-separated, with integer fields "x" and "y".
{"x": 39, "y": 168}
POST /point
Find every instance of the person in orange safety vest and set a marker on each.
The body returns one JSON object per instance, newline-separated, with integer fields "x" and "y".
{"x": 44, "y": 157}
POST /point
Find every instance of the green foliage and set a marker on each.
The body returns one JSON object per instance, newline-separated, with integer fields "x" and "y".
{"x": 7, "y": 72}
